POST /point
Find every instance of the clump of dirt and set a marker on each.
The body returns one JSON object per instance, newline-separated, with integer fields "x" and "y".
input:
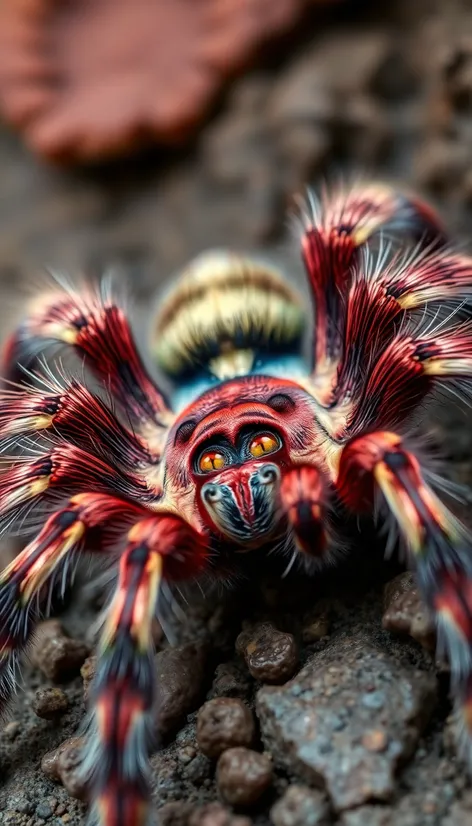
{"x": 243, "y": 775}
{"x": 224, "y": 723}
{"x": 56, "y": 654}
{"x": 271, "y": 656}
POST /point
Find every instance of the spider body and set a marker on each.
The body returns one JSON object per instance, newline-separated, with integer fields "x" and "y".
{"x": 230, "y": 447}
{"x": 256, "y": 447}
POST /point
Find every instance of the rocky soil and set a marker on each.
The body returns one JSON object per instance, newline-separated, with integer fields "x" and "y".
{"x": 289, "y": 702}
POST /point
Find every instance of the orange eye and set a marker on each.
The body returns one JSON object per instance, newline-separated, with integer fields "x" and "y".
{"x": 265, "y": 443}
{"x": 212, "y": 460}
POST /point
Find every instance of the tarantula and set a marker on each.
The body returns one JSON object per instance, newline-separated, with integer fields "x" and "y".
{"x": 255, "y": 446}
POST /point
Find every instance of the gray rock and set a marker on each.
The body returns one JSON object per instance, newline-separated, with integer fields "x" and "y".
{"x": 301, "y": 806}
{"x": 347, "y": 720}
{"x": 368, "y": 816}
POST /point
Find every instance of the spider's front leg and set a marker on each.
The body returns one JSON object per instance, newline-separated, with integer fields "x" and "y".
{"x": 438, "y": 548}
{"x": 26, "y": 583}
{"x": 122, "y": 694}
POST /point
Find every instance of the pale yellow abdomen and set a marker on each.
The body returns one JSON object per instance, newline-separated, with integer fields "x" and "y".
{"x": 223, "y": 312}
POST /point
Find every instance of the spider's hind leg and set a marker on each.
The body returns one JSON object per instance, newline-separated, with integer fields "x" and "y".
{"x": 437, "y": 544}
{"x": 94, "y": 325}
{"x": 335, "y": 232}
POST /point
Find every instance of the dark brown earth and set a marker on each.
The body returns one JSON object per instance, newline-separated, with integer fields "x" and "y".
{"x": 360, "y": 735}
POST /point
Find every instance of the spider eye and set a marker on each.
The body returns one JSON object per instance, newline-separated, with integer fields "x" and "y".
{"x": 211, "y": 460}
{"x": 262, "y": 444}
{"x": 281, "y": 403}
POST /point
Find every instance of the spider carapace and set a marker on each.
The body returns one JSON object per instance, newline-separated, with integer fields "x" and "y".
{"x": 255, "y": 444}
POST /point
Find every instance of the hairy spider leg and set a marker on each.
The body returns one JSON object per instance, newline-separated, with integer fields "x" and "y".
{"x": 26, "y": 584}
{"x": 382, "y": 314}
{"x": 407, "y": 370}
{"x": 56, "y": 473}
{"x": 334, "y": 234}
{"x": 157, "y": 546}
{"x": 67, "y": 409}
{"x": 96, "y": 327}
{"x": 116, "y": 761}
{"x": 437, "y": 544}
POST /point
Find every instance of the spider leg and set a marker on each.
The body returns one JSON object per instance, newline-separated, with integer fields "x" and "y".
{"x": 335, "y": 232}
{"x": 365, "y": 305}
{"x": 381, "y": 299}
{"x": 64, "y": 469}
{"x": 437, "y": 546}
{"x": 408, "y": 368}
{"x": 96, "y": 327}
{"x": 24, "y": 583}
{"x": 68, "y": 410}
{"x": 122, "y": 693}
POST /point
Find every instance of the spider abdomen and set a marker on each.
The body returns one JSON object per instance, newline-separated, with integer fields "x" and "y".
{"x": 226, "y": 315}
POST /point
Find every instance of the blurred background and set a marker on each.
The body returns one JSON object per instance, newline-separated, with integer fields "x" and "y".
{"x": 142, "y": 132}
{"x": 135, "y": 134}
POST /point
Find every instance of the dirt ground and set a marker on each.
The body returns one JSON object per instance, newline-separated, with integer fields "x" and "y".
{"x": 361, "y": 734}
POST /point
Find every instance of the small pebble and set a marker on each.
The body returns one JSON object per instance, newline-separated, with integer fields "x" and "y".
{"x": 24, "y": 806}
{"x": 214, "y": 814}
{"x": 271, "y": 655}
{"x": 223, "y": 723}
{"x": 186, "y": 754}
{"x": 243, "y": 776}
{"x": 230, "y": 681}
{"x": 181, "y": 677}
{"x": 301, "y": 806}
{"x": 174, "y": 813}
{"x": 44, "y": 810}
{"x": 11, "y": 729}
{"x": 316, "y": 630}
{"x": 375, "y": 740}
{"x": 63, "y": 764}
{"x": 87, "y": 673}
{"x": 198, "y": 770}
{"x": 49, "y": 761}
{"x": 373, "y": 816}
{"x": 406, "y": 613}
{"x": 58, "y": 656}
{"x": 50, "y": 703}
{"x": 68, "y": 768}
{"x": 318, "y": 624}
{"x": 373, "y": 699}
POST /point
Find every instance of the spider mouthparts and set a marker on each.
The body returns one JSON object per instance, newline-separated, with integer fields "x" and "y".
{"x": 242, "y": 504}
